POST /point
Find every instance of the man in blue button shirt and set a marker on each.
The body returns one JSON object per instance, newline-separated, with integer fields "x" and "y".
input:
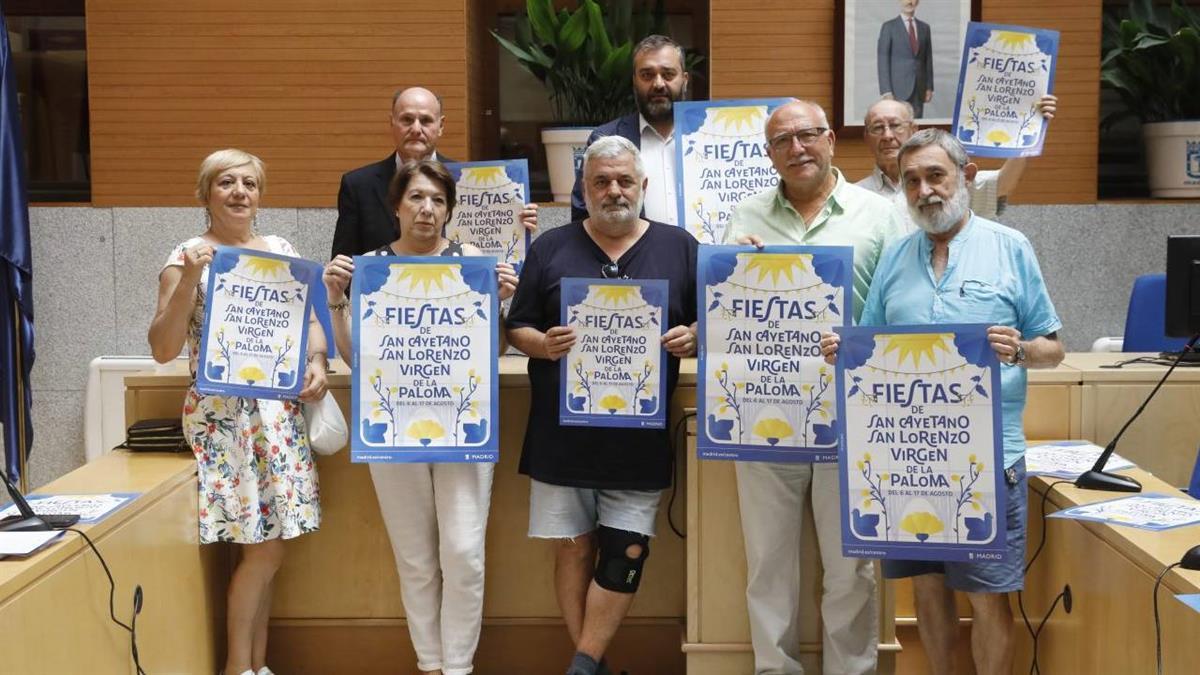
{"x": 960, "y": 268}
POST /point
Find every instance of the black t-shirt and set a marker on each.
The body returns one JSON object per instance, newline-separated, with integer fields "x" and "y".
{"x": 597, "y": 457}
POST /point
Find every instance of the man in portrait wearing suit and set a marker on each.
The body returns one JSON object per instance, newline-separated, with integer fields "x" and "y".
{"x": 905, "y": 59}
{"x": 365, "y": 219}
{"x": 659, "y": 79}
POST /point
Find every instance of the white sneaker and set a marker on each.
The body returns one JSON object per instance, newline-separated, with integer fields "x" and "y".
{"x": 264, "y": 671}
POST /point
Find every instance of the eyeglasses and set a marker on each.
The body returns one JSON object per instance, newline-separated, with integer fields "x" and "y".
{"x": 881, "y": 128}
{"x": 807, "y": 137}
{"x": 611, "y": 271}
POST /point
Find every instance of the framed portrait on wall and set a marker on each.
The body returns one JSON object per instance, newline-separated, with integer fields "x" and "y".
{"x": 910, "y": 50}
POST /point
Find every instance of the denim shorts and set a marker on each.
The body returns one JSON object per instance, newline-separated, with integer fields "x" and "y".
{"x": 562, "y": 512}
{"x": 985, "y": 576}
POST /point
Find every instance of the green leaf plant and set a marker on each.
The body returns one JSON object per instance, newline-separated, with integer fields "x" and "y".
{"x": 1152, "y": 60}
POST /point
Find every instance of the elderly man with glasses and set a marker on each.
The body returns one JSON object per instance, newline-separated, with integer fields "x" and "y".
{"x": 595, "y": 491}
{"x": 890, "y": 123}
{"x": 813, "y": 205}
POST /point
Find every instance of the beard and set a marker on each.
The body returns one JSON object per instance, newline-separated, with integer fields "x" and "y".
{"x": 619, "y": 211}
{"x": 657, "y": 111}
{"x": 942, "y": 220}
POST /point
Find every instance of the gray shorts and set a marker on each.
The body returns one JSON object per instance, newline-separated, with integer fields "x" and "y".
{"x": 561, "y": 512}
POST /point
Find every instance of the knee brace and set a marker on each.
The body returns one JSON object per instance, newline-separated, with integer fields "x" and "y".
{"x": 615, "y": 569}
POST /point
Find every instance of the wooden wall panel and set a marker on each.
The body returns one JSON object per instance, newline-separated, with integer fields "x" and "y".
{"x": 303, "y": 84}
{"x": 750, "y": 38}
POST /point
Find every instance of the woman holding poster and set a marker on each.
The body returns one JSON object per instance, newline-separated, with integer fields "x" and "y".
{"x": 258, "y": 484}
{"x": 429, "y": 508}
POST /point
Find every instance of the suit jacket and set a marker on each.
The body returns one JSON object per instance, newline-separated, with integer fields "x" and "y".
{"x": 365, "y": 219}
{"x": 901, "y": 72}
{"x": 626, "y": 126}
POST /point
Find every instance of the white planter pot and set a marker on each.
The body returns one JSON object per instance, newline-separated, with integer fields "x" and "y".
{"x": 1173, "y": 158}
{"x": 564, "y": 153}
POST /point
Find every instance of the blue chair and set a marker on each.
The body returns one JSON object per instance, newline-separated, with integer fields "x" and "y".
{"x": 1144, "y": 322}
{"x": 1193, "y": 488}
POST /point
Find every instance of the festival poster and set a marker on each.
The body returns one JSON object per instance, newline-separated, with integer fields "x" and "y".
{"x": 491, "y": 196}
{"x": 615, "y": 374}
{"x": 720, "y": 159}
{"x": 255, "y": 333}
{"x": 424, "y": 384}
{"x": 1005, "y": 71}
{"x": 1151, "y": 511}
{"x": 1068, "y": 459}
{"x": 765, "y": 393}
{"x": 922, "y": 469}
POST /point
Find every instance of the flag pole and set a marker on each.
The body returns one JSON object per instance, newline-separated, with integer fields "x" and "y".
{"x": 19, "y": 368}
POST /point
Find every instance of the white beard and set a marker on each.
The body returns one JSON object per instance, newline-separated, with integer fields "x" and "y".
{"x": 944, "y": 219}
{"x": 616, "y": 216}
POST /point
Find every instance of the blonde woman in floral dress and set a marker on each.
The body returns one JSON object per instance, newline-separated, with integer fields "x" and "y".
{"x": 258, "y": 484}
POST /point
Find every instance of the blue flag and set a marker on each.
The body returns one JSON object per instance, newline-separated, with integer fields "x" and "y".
{"x": 16, "y": 273}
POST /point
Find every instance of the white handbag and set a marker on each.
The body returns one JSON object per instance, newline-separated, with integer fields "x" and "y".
{"x": 327, "y": 432}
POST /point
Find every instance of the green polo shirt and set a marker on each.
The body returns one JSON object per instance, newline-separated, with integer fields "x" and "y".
{"x": 852, "y": 216}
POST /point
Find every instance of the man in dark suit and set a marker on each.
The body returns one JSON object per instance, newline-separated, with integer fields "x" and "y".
{"x": 905, "y": 59}
{"x": 659, "y": 79}
{"x": 365, "y": 219}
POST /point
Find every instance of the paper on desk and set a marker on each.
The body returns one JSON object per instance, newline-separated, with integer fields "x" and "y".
{"x": 1150, "y": 511}
{"x": 24, "y": 543}
{"x": 1068, "y": 459}
{"x": 91, "y": 508}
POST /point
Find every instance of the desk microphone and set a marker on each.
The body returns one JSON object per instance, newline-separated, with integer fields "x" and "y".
{"x": 1099, "y": 479}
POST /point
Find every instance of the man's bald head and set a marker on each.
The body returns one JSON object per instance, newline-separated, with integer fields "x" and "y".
{"x": 417, "y": 122}
{"x": 887, "y": 126}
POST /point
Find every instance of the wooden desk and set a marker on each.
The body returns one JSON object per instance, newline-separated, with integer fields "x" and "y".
{"x": 54, "y": 605}
{"x": 1165, "y": 438}
{"x": 1111, "y": 571}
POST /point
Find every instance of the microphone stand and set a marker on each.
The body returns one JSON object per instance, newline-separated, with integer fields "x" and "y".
{"x": 1099, "y": 479}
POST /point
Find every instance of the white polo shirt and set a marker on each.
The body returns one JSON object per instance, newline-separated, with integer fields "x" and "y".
{"x": 658, "y": 155}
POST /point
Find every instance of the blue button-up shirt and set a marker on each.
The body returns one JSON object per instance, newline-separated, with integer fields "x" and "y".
{"x": 992, "y": 276}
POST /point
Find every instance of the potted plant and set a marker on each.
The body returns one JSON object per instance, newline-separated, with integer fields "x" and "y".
{"x": 1152, "y": 60}
{"x": 585, "y": 59}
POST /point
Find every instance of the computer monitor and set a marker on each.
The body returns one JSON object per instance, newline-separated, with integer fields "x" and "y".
{"x": 1183, "y": 285}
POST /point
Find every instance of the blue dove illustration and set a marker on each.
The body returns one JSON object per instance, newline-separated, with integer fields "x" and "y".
{"x": 865, "y": 525}
{"x": 647, "y": 405}
{"x": 287, "y": 379}
{"x": 475, "y": 432}
{"x": 575, "y": 403}
{"x": 215, "y": 372}
{"x": 979, "y": 529}
{"x": 720, "y": 430}
{"x": 373, "y": 433}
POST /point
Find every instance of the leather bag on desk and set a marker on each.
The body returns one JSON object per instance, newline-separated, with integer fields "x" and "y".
{"x": 155, "y": 435}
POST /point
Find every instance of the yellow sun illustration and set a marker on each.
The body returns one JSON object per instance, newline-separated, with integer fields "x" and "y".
{"x": 998, "y": 136}
{"x": 615, "y": 295}
{"x": 751, "y": 116}
{"x": 1012, "y": 39}
{"x": 776, "y": 264}
{"x": 914, "y": 345}
{"x": 265, "y": 267}
{"x": 425, "y": 429}
{"x": 426, "y": 275}
{"x": 484, "y": 175}
{"x": 252, "y": 374}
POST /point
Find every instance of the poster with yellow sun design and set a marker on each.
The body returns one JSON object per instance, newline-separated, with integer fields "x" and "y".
{"x": 720, "y": 159}
{"x": 1005, "y": 71}
{"x": 490, "y": 196}
{"x": 614, "y": 374}
{"x": 922, "y": 454}
{"x": 764, "y": 392}
{"x": 424, "y": 381}
{"x": 255, "y": 333}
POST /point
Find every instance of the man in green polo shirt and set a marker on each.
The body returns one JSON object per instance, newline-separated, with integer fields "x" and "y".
{"x": 813, "y": 205}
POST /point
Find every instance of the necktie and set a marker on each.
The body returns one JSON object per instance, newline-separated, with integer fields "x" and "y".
{"x": 912, "y": 37}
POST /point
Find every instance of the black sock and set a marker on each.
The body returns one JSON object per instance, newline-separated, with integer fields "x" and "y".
{"x": 583, "y": 664}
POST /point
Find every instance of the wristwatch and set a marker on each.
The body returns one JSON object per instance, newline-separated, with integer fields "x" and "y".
{"x": 1018, "y": 356}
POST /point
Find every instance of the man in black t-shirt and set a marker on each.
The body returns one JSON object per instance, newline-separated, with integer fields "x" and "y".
{"x": 596, "y": 490}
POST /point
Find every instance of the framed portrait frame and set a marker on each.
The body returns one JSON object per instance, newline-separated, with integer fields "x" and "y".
{"x": 865, "y": 29}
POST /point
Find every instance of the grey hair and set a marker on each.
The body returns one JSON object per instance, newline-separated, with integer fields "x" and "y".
{"x": 609, "y": 147}
{"x": 904, "y": 104}
{"x": 653, "y": 43}
{"x": 821, "y": 116}
{"x": 939, "y": 137}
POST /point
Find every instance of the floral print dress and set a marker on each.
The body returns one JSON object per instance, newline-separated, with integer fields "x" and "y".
{"x": 257, "y": 479}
